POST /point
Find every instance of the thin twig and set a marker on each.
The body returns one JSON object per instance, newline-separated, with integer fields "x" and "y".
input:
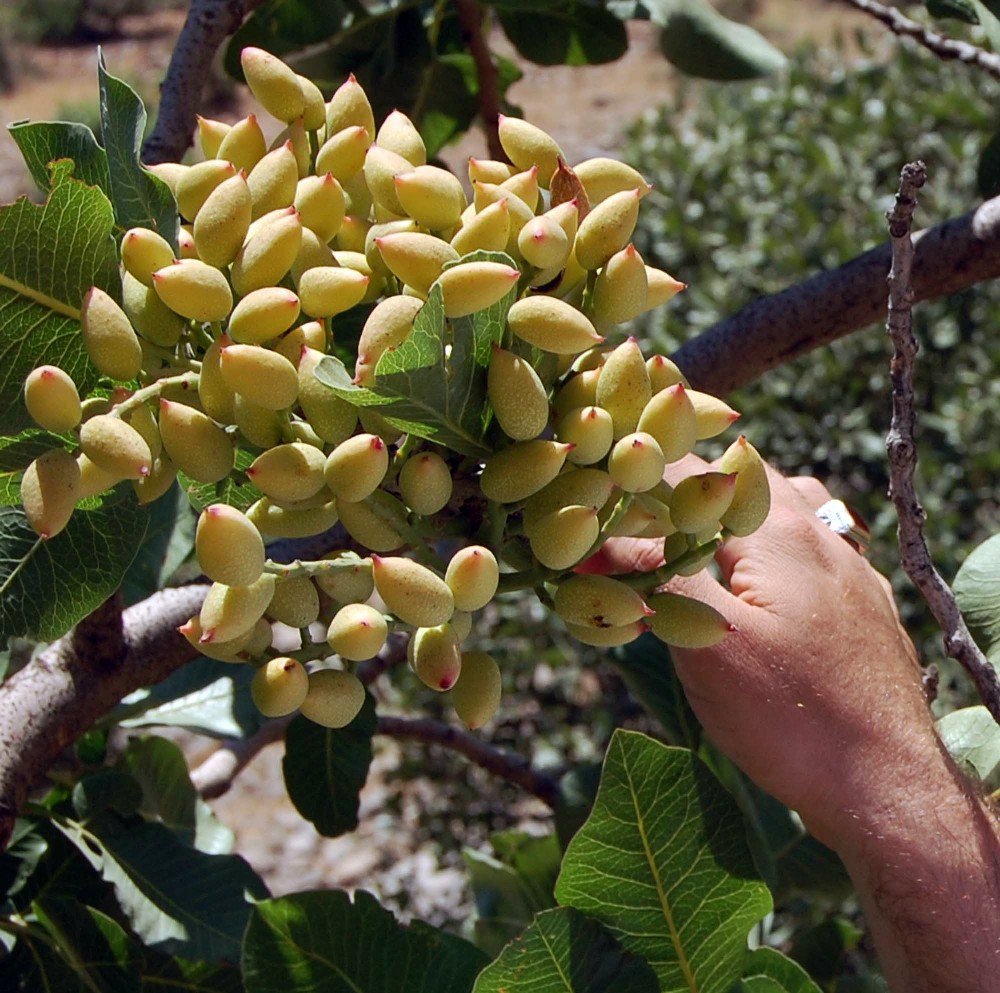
{"x": 208, "y": 24}
{"x": 507, "y": 765}
{"x": 914, "y": 554}
{"x": 470, "y": 20}
{"x": 948, "y": 49}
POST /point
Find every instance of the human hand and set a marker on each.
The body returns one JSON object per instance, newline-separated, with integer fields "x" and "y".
{"x": 817, "y": 694}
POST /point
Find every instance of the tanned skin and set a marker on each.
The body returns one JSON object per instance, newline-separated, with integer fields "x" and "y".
{"x": 817, "y": 696}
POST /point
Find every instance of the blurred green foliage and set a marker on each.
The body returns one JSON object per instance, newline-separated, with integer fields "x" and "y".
{"x": 759, "y": 186}
{"x": 74, "y": 20}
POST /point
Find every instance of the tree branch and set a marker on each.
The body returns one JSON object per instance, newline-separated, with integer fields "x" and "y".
{"x": 914, "y": 555}
{"x": 947, "y": 49}
{"x": 208, "y": 24}
{"x": 49, "y": 703}
{"x": 507, "y": 765}
{"x": 773, "y": 330}
{"x": 470, "y": 21}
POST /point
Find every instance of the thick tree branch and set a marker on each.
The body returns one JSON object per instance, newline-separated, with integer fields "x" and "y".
{"x": 208, "y": 24}
{"x": 948, "y": 49}
{"x": 49, "y": 703}
{"x": 773, "y": 330}
{"x": 514, "y": 768}
{"x": 901, "y": 447}
{"x": 470, "y": 20}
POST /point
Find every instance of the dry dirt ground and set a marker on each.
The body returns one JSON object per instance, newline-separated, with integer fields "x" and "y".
{"x": 587, "y": 110}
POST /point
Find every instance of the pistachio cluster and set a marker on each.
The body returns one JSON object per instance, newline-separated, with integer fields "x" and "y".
{"x": 219, "y": 349}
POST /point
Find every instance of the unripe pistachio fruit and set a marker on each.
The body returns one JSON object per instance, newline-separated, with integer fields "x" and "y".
{"x": 473, "y": 575}
{"x": 116, "y": 447}
{"x": 356, "y": 467}
{"x": 244, "y": 146}
{"x": 228, "y": 611}
{"x": 50, "y": 488}
{"x": 223, "y": 221}
{"x": 552, "y": 325}
{"x": 334, "y": 698}
{"x": 194, "y": 290}
{"x": 111, "y": 343}
{"x": 752, "y": 495}
{"x": 52, "y": 399}
{"x": 279, "y": 686}
{"x": 561, "y": 539}
{"x": 599, "y": 602}
{"x": 527, "y": 145}
{"x": 683, "y": 622}
{"x": 437, "y": 656}
{"x": 670, "y": 418}
{"x": 623, "y": 387}
{"x": 590, "y": 430}
{"x": 699, "y": 501}
{"x": 474, "y": 286}
{"x": 143, "y": 252}
{"x": 272, "y": 82}
{"x": 412, "y": 592}
{"x": 229, "y": 548}
{"x": 425, "y": 483}
{"x": 288, "y": 473}
{"x": 519, "y": 399}
{"x": 357, "y": 632}
{"x": 636, "y": 462}
{"x": 295, "y": 602}
{"x": 195, "y": 443}
{"x": 476, "y": 695}
{"x": 515, "y": 473}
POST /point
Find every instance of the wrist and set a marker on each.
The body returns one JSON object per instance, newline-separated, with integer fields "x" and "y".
{"x": 897, "y": 797}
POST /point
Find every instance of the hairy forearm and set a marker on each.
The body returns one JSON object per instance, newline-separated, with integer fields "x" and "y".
{"x": 924, "y": 854}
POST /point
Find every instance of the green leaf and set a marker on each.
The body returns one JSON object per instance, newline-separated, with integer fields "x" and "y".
{"x": 808, "y": 868}
{"x": 977, "y": 590}
{"x": 106, "y": 789}
{"x": 205, "y": 696}
{"x": 960, "y": 10}
{"x": 771, "y": 828}
{"x": 43, "y": 142}
{"x": 663, "y": 862}
{"x": 648, "y": 671}
{"x": 321, "y": 942}
{"x": 988, "y": 169}
{"x": 284, "y": 26}
{"x": 140, "y": 198}
{"x": 169, "y": 974}
{"x": 325, "y": 769}
{"x": 986, "y": 14}
{"x": 512, "y": 885}
{"x": 425, "y": 390}
{"x": 176, "y": 898}
{"x": 168, "y": 796}
{"x": 50, "y": 255}
{"x": 972, "y": 737}
{"x": 697, "y": 39}
{"x": 821, "y": 949}
{"x": 96, "y": 944}
{"x": 563, "y": 950}
{"x": 236, "y": 489}
{"x": 572, "y": 33}
{"x": 47, "y": 586}
{"x": 768, "y": 971}
{"x": 168, "y": 543}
